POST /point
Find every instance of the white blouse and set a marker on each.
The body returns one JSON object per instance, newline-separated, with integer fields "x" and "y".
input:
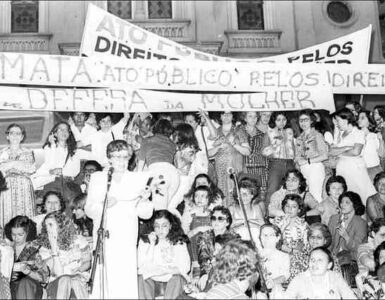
{"x": 163, "y": 254}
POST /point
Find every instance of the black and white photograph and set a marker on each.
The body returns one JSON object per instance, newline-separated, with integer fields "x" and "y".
{"x": 192, "y": 149}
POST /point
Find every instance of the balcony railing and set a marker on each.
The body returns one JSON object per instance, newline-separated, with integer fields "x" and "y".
{"x": 253, "y": 42}
{"x": 25, "y": 42}
{"x": 173, "y": 29}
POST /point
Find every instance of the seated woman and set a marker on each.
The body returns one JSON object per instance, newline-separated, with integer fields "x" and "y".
{"x": 318, "y": 282}
{"x": 248, "y": 191}
{"x": 276, "y": 262}
{"x": 235, "y": 271}
{"x": 163, "y": 258}
{"x": 29, "y": 271}
{"x": 348, "y": 231}
{"x": 375, "y": 203}
{"x": 84, "y": 224}
{"x": 371, "y": 285}
{"x": 335, "y": 186}
{"x": 293, "y": 183}
{"x": 292, "y": 225}
{"x": 318, "y": 236}
{"x": 6, "y": 265}
{"x": 221, "y": 221}
{"x": 67, "y": 255}
{"x": 365, "y": 252}
{"x": 52, "y": 201}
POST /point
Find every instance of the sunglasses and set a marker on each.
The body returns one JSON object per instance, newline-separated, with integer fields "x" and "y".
{"x": 220, "y": 219}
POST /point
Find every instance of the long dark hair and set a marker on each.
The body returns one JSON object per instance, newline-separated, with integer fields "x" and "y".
{"x": 71, "y": 142}
{"x": 175, "y": 235}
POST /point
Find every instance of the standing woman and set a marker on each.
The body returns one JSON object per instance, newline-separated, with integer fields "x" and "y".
{"x": 61, "y": 164}
{"x": 255, "y": 163}
{"x": 229, "y": 148}
{"x": 350, "y": 164}
{"x": 280, "y": 149}
{"x": 17, "y": 164}
{"x": 311, "y": 151}
{"x": 374, "y": 144}
{"x": 127, "y": 201}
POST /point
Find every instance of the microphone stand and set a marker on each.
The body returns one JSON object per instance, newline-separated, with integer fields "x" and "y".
{"x": 259, "y": 263}
{"x": 98, "y": 255}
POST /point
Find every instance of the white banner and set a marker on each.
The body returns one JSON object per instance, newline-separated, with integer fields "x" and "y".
{"x": 71, "y": 71}
{"x": 106, "y": 35}
{"x": 133, "y": 100}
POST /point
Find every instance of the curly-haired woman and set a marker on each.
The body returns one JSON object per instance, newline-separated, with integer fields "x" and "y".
{"x": 236, "y": 265}
{"x": 163, "y": 258}
{"x": 29, "y": 271}
{"x": 67, "y": 255}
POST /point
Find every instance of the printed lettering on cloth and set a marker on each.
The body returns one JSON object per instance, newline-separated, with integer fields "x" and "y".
{"x": 107, "y": 35}
{"x": 136, "y": 100}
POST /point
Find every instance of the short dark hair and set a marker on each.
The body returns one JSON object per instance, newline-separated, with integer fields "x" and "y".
{"x": 377, "y": 179}
{"x": 94, "y": 163}
{"x": 58, "y": 195}
{"x": 296, "y": 198}
{"x": 310, "y": 113}
{"x": 101, "y": 116}
{"x": 163, "y": 127}
{"x": 206, "y": 189}
{"x": 193, "y": 114}
{"x": 302, "y": 181}
{"x": 346, "y": 114}
{"x": 24, "y": 222}
{"x": 22, "y": 129}
{"x": 274, "y": 117}
{"x": 225, "y": 211}
{"x": 359, "y": 208}
{"x": 249, "y": 184}
{"x": 377, "y": 224}
{"x": 381, "y": 110}
{"x": 324, "y": 230}
{"x": 86, "y": 114}
{"x": 335, "y": 179}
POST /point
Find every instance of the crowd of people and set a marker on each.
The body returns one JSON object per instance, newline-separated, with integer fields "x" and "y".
{"x": 279, "y": 205}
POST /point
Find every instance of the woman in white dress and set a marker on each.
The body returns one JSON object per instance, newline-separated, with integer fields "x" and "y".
{"x": 127, "y": 200}
{"x": 374, "y": 144}
{"x": 350, "y": 164}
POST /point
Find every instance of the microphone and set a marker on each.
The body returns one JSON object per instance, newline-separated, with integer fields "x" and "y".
{"x": 231, "y": 171}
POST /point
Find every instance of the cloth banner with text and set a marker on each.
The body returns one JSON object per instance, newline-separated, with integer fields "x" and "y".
{"x": 107, "y": 35}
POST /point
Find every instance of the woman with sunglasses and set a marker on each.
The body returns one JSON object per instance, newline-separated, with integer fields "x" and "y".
{"x": 221, "y": 221}
{"x": 17, "y": 164}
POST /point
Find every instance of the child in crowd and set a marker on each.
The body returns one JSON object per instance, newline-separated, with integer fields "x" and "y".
{"x": 196, "y": 218}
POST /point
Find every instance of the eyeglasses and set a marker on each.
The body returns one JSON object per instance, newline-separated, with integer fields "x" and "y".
{"x": 302, "y": 120}
{"x": 15, "y": 133}
{"x": 220, "y": 219}
{"x": 123, "y": 157}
